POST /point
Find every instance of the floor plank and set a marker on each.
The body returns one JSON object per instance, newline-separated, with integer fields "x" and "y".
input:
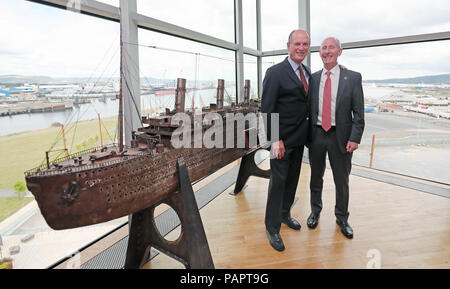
{"x": 408, "y": 228}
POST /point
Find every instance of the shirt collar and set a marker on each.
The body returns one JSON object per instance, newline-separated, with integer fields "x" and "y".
{"x": 333, "y": 71}
{"x": 294, "y": 65}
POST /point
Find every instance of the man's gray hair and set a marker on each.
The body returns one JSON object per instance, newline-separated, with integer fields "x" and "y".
{"x": 293, "y": 31}
{"x": 338, "y": 42}
{"x": 290, "y": 36}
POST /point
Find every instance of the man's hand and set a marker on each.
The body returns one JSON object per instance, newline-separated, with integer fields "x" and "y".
{"x": 278, "y": 149}
{"x": 351, "y": 146}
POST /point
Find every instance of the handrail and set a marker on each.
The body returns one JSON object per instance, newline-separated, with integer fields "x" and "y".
{"x": 60, "y": 159}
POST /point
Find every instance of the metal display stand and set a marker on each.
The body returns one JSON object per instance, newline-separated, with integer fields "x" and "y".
{"x": 248, "y": 168}
{"x": 191, "y": 248}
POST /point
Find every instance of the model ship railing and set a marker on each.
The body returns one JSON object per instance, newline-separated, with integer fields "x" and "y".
{"x": 71, "y": 156}
{"x": 82, "y": 168}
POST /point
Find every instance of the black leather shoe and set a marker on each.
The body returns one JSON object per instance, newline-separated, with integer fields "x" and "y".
{"x": 313, "y": 221}
{"x": 345, "y": 228}
{"x": 291, "y": 222}
{"x": 275, "y": 241}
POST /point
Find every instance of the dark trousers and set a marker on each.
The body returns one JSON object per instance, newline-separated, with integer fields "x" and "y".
{"x": 341, "y": 165}
{"x": 282, "y": 187}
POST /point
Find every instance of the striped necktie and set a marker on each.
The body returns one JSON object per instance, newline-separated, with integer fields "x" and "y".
{"x": 302, "y": 76}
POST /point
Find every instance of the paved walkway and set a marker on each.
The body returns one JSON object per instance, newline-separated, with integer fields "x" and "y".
{"x": 46, "y": 246}
{"x": 11, "y": 193}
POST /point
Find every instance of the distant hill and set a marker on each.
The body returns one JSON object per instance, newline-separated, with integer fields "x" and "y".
{"x": 429, "y": 79}
{"x": 17, "y": 79}
{"x": 25, "y": 79}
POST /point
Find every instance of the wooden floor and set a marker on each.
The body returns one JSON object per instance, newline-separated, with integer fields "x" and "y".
{"x": 394, "y": 227}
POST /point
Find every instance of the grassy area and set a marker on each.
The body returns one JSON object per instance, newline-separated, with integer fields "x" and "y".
{"x": 24, "y": 151}
{"x": 5, "y": 264}
{"x": 9, "y": 206}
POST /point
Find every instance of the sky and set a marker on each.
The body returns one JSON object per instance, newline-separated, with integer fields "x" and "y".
{"x": 40, "y": 40}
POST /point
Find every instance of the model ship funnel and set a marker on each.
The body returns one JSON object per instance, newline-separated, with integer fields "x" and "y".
{"x": 247, "y": 91}
{"x": 181, "y": 95}
{"x": 220, "y": 89}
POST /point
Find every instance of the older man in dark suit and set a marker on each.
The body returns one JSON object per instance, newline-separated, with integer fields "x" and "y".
{"x": 285, "y": 92}
{"x": 337, "y": 125}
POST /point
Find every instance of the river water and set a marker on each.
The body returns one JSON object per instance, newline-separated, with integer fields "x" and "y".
{"x": 32, "y": 121}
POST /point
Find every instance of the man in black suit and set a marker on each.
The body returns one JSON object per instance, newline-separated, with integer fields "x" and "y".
{"x": 285, "y": 92}
{"x": 337, "y": 125}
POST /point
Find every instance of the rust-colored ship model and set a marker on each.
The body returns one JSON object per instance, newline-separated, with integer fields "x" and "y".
{"x": 113, "y": 181}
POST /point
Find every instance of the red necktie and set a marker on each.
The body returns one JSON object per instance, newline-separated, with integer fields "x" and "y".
{"x": 326, "y": 109}
{"x": 302, "y": 76}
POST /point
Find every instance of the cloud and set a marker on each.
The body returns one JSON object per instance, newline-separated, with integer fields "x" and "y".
{"x": 215, "y": 18}
{"x": 41, "y": 40}
{"x": 354, "y": 20}
{"x": 408, "y": 60}
{"x": 54, "y": 42}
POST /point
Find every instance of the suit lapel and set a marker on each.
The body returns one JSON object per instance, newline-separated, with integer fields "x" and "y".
{"x": 294, "y": 76}
{"x": 306, "y": 76}
{"x": 315, "y": 95}
{"x": 308, "y": 70}
{"x": 291, "y": 72}
{"x": 342, "y": 83}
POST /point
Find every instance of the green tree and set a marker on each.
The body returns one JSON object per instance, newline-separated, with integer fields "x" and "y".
{"x": 20, "y": 189}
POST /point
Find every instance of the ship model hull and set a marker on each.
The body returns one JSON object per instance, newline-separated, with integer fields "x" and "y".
{"x": 115, "y": 181}
{"x": 120, "y": 187}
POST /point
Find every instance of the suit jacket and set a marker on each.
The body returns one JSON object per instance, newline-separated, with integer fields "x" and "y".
{"x": 284, "y": 93}
{"x": 349, "y": 107}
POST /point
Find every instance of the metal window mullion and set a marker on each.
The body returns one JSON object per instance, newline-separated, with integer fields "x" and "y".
{"x": 239, "y": 39}
{"x": 259, "y": 46}
{"x": 410, "y": 39}
{"x": 89, "y": 7}
{"x": 153, "y": 24}
{"x": 304, "y": 21}
{"x": 130, "y": 77}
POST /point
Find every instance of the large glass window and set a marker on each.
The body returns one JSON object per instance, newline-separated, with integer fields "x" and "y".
{"x": 49, "y": 57}
{"x": 269, "y": 61}
{"x": 163, "y": 59}
{"x": 63, "y": 44}
{"x": 215, "y": 18}
{"x": 111, "y": 2}
{"x": 52, "y": 56}
{"x": 249, "y": 23}
{"x": 278, "y": 19}
{"x": 251, "y": 73}
{"x": 354, "y": 20}
{"x": 407, "y": 107}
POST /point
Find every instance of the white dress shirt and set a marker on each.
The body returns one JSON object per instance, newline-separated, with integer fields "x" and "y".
{"x": 296, "y": 68}
{"x": 334, "y": 76}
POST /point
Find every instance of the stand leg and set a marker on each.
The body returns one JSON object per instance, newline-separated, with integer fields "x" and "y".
{"x": 139, "y": 238}
{"x": 199, "y": 253}
{"x": 248, "y": 168}
{"x": 191, "y": 248}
